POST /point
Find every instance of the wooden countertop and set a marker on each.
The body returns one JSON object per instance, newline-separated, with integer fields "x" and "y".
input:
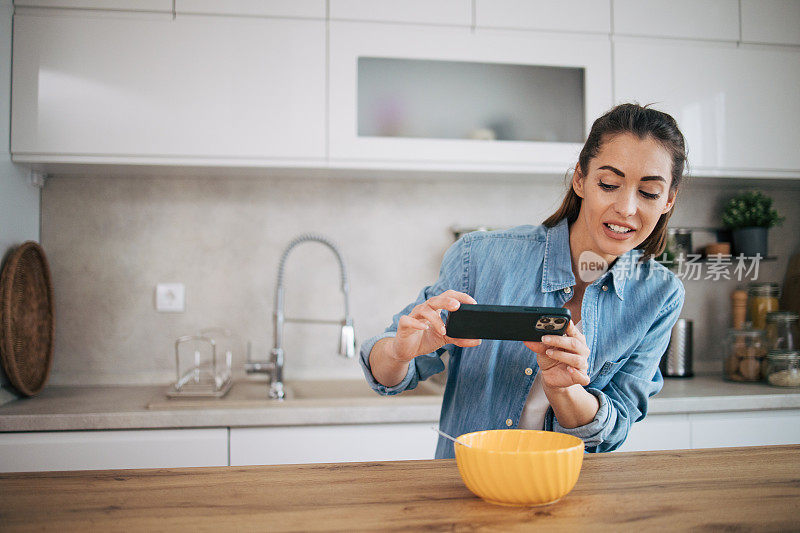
{"x": 726, "y": 489}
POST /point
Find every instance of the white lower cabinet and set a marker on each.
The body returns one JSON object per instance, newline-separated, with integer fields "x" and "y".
{"x": 173, "y": 448}
{"x": 329, "y": 444}
{"x": 659, "y": 432}
{"x": 714, "y": 430}
{"x": 755, "y": 428}
{"x": 97, "y": 450}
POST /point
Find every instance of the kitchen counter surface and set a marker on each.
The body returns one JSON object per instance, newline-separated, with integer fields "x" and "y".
{"x": 126, "y": 407}
{"x": 730, "y": 489}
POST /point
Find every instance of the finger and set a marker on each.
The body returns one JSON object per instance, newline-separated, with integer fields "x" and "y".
{"x": 546, "y": 363}
{"x": 410, "y": 322}
{"x": 464, "y": 343}
{"x": 538, "y": 347}
{"x": 442, "y": 302}
{"x": 425, "y": 312}
{"x": 570, "y": 344}
{"x": 580, "y": 377}
{"x": 573, "y": 331}
{"x": 460, "y": 296}
{"x": 574, "y": 360}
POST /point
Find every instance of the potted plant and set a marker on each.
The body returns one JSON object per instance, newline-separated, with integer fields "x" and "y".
{"x": 749, "y": 215}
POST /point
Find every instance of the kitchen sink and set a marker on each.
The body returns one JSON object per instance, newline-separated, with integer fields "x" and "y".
{"x": 253, "y": 394}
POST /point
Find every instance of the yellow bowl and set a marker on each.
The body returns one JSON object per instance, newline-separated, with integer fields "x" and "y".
{"x": 519, "y": 466}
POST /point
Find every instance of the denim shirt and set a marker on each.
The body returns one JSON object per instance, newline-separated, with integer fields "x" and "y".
{"x": 627, "y": 314}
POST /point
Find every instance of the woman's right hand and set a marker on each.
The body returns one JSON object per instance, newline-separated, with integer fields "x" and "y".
{"x": 422, "y": 330}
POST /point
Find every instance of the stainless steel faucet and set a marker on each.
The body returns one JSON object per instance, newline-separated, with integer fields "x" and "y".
{"x": 347, "y": 341}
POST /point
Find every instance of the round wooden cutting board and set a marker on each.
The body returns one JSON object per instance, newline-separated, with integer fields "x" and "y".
{"x": 27, "y": 325}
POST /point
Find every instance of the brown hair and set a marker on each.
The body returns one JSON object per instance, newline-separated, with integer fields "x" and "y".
{"x": 644, "y": 123}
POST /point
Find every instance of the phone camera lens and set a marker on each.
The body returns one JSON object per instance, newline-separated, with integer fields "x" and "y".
{"x": 549, "y": 326}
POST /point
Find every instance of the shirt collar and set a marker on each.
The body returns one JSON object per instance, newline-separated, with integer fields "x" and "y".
{"x": 558, "y": 274}
{"x": 622, "y": 269}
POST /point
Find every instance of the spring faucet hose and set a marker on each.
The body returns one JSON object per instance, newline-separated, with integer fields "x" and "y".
{"x": 324, "y": 240}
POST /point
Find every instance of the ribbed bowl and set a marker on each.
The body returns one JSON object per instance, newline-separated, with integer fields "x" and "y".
{"x": 519, "y": 466}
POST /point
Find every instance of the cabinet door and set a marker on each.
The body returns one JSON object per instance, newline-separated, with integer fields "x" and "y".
{"x": 446, "y": 12}
{"x": 126, "y": 5}
{"x": 734, "y": 105}
{"x": 659, "y": 432}
{"x": 261, "y": 8}
{"x": 685, "y": 19}
{"x": 431, "y": 77}
{"x": 754, "y": 428}
{"x": 93, "y": 450}
{"x": 575, "y": 15}
{"x": 330, "y": 444}
{"x": 196, "y": 89}
{"x": 771, "y": 21}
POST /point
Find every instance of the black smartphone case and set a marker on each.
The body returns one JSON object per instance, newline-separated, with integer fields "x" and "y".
{"x": 506, "y": 322}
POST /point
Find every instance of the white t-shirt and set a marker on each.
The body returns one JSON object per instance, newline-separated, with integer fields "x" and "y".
{"x": 536, "y": 405}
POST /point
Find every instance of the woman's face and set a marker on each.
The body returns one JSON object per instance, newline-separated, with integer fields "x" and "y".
{"x": 624, "y": 193}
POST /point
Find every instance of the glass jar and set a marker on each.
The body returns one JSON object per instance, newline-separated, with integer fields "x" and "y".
{"x": 762, "y": 298}
{"x": 745, "y": 353}
{"x": 682, "y": 242}
{"x": 782, "y": 368}
{"x": 782, "y": 333}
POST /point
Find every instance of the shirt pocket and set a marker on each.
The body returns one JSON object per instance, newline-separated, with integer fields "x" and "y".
{"x": 610, "y": 368}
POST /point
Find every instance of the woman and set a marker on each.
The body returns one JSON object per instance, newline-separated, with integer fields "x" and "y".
{"x": 595, "y": 381}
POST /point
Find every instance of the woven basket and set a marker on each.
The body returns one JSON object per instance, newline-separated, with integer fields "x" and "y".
{"x": 27, "y": 327}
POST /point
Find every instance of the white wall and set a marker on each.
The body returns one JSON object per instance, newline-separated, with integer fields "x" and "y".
{"x": 19, "y": 201}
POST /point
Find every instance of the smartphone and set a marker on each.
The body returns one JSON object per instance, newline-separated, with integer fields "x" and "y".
{"x": 506, "y": 322}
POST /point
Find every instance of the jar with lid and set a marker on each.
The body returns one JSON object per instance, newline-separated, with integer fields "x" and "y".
{"x": 782, "y": 332}
{"x": 681, "y": 239}
{"x": 782, "y": 368}
{"x": 745, "y": 353}
{"x": 762, "y": 298}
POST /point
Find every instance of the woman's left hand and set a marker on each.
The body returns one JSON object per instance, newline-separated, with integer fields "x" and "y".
{"x": 563, "y": 360}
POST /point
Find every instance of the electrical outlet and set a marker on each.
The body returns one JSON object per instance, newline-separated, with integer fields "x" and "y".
{"x": 170, "y": 297}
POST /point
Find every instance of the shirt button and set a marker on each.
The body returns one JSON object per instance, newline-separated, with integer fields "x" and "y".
{"x": 567, "y": 290}
{"x": 528, "y": 371}
{"x": 509, "y": 422}
{"x": 605, "y": 287}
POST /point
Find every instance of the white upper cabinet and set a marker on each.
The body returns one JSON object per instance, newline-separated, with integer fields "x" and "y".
{"x": 736, "y": 106}
{"x": 506, "y": 86}
{"x": 444, "y": 12}
{"x": 264, "y": 8}
{"x": 771, "y": 21}
{"x": 430, "y": 97}
{"x": 116, "y": 88}
{"x": 125, "y": 5}
{"x": 683, "y": 19}
{"x": 575, "y": 15}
